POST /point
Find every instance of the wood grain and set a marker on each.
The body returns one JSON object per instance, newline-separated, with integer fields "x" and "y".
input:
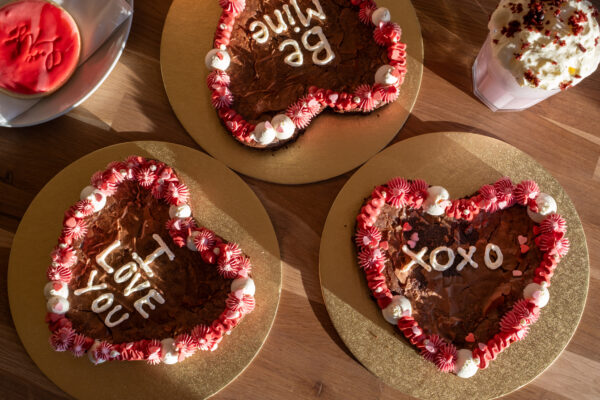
{"x": 304, "y": 357}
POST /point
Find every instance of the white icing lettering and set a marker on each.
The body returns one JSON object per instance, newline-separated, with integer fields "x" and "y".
{"x": 162, "y": 249}
{"x": 262, "y": 35}
{"x": 125, "y": 273}
{"x": 467, "y": 258}
{"x": 90, "y": 285}
{"x": 319, "y": 47}
{"x": 281, "y": 26}
{"x": 101, "y": 257}
{"x": 294, "y": 59}
{"x": 291, "y": 20}
{"x": 139, "y": 304}
{"x": 107, "y": 320}
{"x": 487, "y": 258}
{"x": 107, "y": 298}
{"x": 433, "y": 258}
{"x": 310, "y": 13}
{"x": 415, "y": 258}
{"x": 131, "y": 289}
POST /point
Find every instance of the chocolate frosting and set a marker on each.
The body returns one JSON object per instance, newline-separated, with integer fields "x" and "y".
{"x": 263, "y": 85}
{"x": 454, "y": 303}
{"x": 194, "y": 292}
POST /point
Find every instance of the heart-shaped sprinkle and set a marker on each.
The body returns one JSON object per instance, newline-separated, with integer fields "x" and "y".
{"x": 56, "y": 286}
{"x": 524, "y": 248}
{"x": 414, "y": 237}
{"x": 470, "y": 337}
{"x": 522, "y": 239}
{"x": 411, "y": 244}
{"x": 406, "y": 227}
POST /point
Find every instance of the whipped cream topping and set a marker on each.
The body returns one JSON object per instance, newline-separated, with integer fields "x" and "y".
{"x": 546, "y": 44}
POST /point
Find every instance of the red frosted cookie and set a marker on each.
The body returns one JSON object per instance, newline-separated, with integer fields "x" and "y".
{"x": 39, "y": 48}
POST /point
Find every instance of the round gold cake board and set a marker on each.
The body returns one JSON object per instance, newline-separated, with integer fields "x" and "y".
{"x": 220, "y": 201}
{"x": 461, "y": 162}
{"x": 332, "y": 144}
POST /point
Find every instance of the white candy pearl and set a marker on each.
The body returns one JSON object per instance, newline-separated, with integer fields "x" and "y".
{"x": 190, "y": 241}
{"x": 385, "y": 76}
{"x": 91, "y": 352}
{"x": 465, "y": 366}
{"x": 246, "y": 285}
{"x": 264, "y": 134}
{"x": 57, "y": 305}
{"x": 396, "y": 309}
{"x": 50, "y": 291}
{"x": 380, "y": 15}
{"x": 214, "y": 62}
{"x": 284, "y": 126}
{"x": 182, "y": 211}
{"x": 168, "y": 351}
{"x": 435, "y": 196}
{"x": 90, "y": 193}
{"x": 543, "y": 298}
{"x": 546, "y": 205}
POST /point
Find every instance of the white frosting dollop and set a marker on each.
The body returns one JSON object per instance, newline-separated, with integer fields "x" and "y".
{"x": 182, "y": 211}
{"x": 385, "y": 75}
{"x": 435, "y": 203}
{"x": 217, "y": 59}
{"x": 91, "y": 353}
{"x": 94, "y": 195}
{"x": 56, "y": 288}
{"x": 168, "y": 352}
{"x": 552, "y": 63}
{"x": 465, "y": 366}
{"x": 546, "y": 205}
{"x": 264, "y": 133}
{"x": 399, "y": 307}
{"x": 381, "y": 15}
{"x": 57, "y": 305}
{"x": 246, "y": 285}
{"x": 536, "y": 293}
{"x": 284, "y": 126}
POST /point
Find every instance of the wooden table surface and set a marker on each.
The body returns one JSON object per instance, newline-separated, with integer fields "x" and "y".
{"x": 304, "y": 357}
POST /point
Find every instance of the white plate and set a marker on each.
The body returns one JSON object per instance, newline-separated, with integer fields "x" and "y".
{"x": 86, "y": 79}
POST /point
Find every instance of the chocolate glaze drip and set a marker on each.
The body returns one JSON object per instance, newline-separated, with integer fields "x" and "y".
{"x": 453, "y": 304}
{"x": 194, "y": 292}
{"x": 263, "y": 85}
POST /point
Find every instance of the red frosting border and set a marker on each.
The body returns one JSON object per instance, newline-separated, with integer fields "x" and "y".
{"x": 361, "y": 100}
{"x": 165, "y": 185}
{"x": 552, "y": 242}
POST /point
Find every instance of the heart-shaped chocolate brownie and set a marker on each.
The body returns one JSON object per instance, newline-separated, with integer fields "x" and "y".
{"x": 287, "y": 61}
{"x": 471, "y": 273}
{"x": 134, "y": 277}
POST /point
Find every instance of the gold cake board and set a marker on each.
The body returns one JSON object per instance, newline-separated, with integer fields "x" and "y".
{"x": 462, "y": 163}
{"x": 221, "y": 201}
{"x": 332, "y": 144}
